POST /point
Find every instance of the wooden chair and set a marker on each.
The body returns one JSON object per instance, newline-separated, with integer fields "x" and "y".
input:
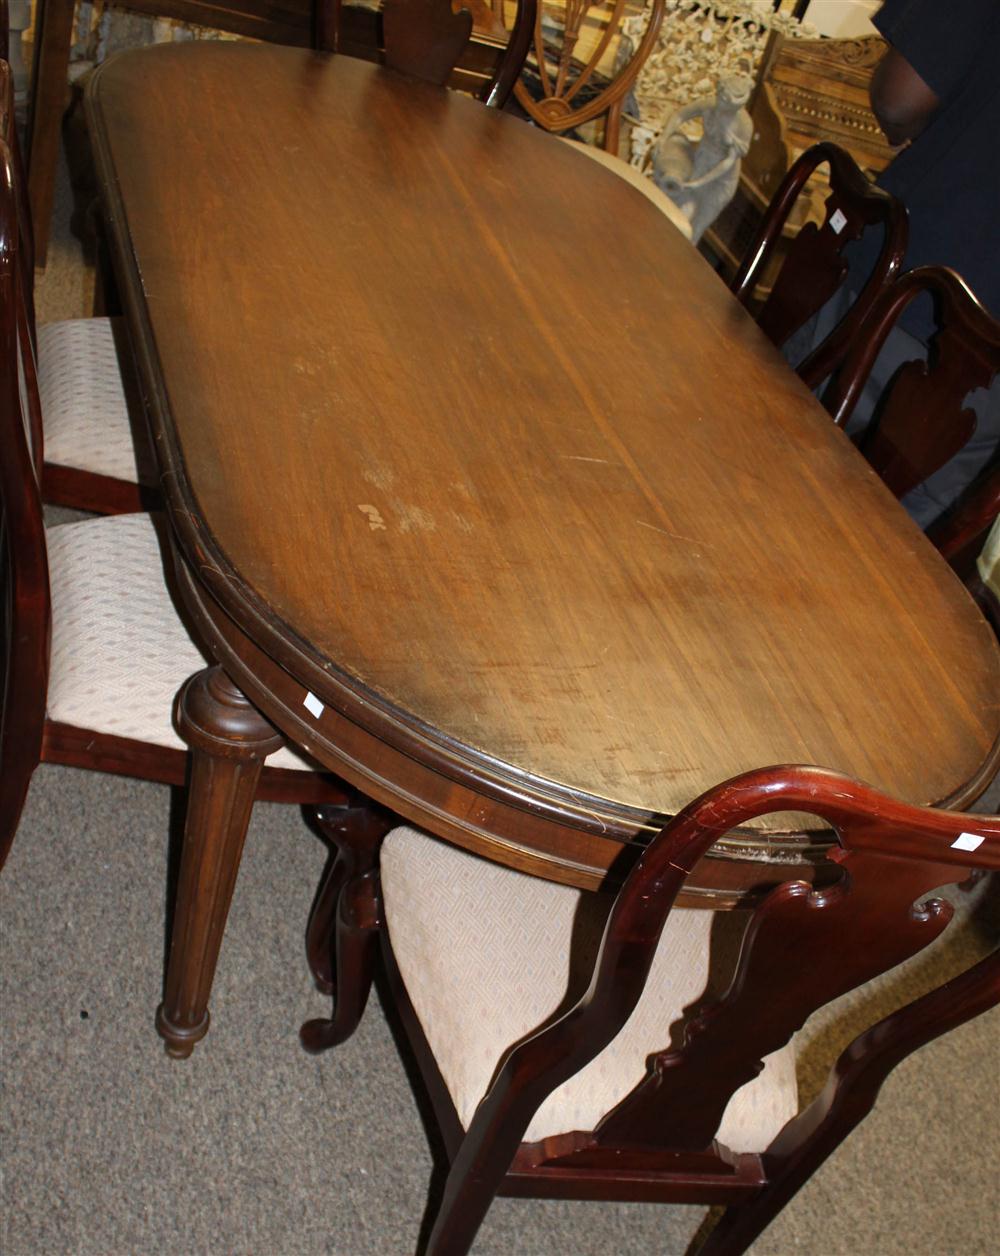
{"x": 90, "y": 446}
{"x": 807, "y": 90}
{"x": 582, "y": 75}
{"x": 921, "y": 420}
{"x": 814, "y": 267}
{"x": 545, "y": 1084}
{"x": 426, "y": 38}
{"x": 583, "y": 68}
{"x": 94, "y": 651}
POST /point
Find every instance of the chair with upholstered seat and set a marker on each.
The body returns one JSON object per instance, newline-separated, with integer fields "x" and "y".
{"x": 921, "y": 420}
{"x": 103, "y": 695}
{"x": 663, "y": 1069}
{"x": 89, "y": 441}
{"x": 814, "y": 267}
{"x": 986, "y": 586}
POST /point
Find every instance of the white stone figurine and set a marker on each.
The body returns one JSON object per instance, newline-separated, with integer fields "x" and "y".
{"x": 701, "y": 176}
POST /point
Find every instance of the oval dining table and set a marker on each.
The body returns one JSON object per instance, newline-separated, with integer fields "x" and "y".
{"x": 487, "y": 494}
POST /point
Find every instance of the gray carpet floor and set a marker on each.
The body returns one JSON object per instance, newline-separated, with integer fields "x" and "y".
{"x": 251, "y": 1146}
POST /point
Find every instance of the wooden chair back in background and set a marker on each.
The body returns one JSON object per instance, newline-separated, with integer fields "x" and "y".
{"x": 814, "y": 267}
{"x": 426, "y": 38}
{"x": 584, "y": 65}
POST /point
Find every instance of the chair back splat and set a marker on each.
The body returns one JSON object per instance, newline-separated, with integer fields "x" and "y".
{"x": 659, "y": 1137}
{"x": 814, "y": 267}
{"x": 426, "y": 38}
{"x": 921, "y": 420}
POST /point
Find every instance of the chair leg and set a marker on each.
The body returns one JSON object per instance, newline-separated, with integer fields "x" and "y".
{"x": 742, "y": 1223}
{"x": 16, "y": 779}
{"x": 20, "y": 751}
{"x": 343, "y": 929}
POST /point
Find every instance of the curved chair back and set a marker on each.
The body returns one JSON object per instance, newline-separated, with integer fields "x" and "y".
{"x": 814, "y": 267}
{"x": 585, "y": 65}
{"x": 426, "y": 38}
{"x": 802, "y": 946}
{"x": 921, "y": 419}
{"x": 24, "y": 597}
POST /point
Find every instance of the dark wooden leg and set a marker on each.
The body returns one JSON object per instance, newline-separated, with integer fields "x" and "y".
{"x": 49, "y": 89}
{"x": 343, "y": 928}
{"x": 230, "y": 740}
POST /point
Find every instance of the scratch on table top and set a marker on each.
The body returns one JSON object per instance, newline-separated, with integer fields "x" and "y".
{"x": 677, "y": 536}
{"x": 581, "y": 458}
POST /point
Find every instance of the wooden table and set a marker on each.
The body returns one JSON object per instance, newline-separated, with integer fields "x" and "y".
{"x": 488, "y": 494}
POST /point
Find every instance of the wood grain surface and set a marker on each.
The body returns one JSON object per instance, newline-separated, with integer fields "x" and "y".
{"x": 492, "y": 453}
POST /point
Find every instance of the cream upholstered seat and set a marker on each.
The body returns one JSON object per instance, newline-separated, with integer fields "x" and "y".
{"x": 119, "y": 649}
{"x": 484, "y": 954}
{"x": 988, "y": 563}
{"x": 638, "y": 180}
{"x": 82, "y": 398}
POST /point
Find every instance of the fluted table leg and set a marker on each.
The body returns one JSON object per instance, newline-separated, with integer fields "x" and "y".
{"x": 229, "y": 740}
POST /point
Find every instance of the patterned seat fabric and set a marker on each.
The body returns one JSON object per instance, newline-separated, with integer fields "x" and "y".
{"x": 119, "y": 649}
{"x": 638, "y": 180}
{"x": 988, "y": 563}
{"x": 484, "y": 953}
{"x": 85, "y": 412}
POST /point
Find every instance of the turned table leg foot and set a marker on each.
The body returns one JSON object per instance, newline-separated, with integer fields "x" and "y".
{"x": 229, "y": 740}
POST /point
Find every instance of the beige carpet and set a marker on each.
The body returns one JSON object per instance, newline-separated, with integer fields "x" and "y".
{"x": 108, "y": 1147}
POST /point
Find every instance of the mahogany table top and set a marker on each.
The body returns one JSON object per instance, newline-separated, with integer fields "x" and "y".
{"x": 460, "y": 432}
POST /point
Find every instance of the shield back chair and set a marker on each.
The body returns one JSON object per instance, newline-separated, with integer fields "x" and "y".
{"x": 94, "y": 650}
{"x": 921, "y": 420}
{"x": 814, "y": 267}
{"x": 655, "y": 1072}
{"x": 585, "y": 69}
{"x": 426, "y": 38}
{"x": 585, "y": 66}
{"x": 95, "y": 454}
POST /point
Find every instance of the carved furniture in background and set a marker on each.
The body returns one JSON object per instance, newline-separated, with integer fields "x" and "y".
{"x": 481, "y": 571}
{"x": 808, "y": 91}
{"x": 812, "y": 266}
{"x": 666, "y": 1071}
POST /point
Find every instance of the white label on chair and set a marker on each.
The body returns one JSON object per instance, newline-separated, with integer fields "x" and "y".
{"x": 967, "y": 841}
{"x": 315, "y": 708}
{"x": 838, "y": 221}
